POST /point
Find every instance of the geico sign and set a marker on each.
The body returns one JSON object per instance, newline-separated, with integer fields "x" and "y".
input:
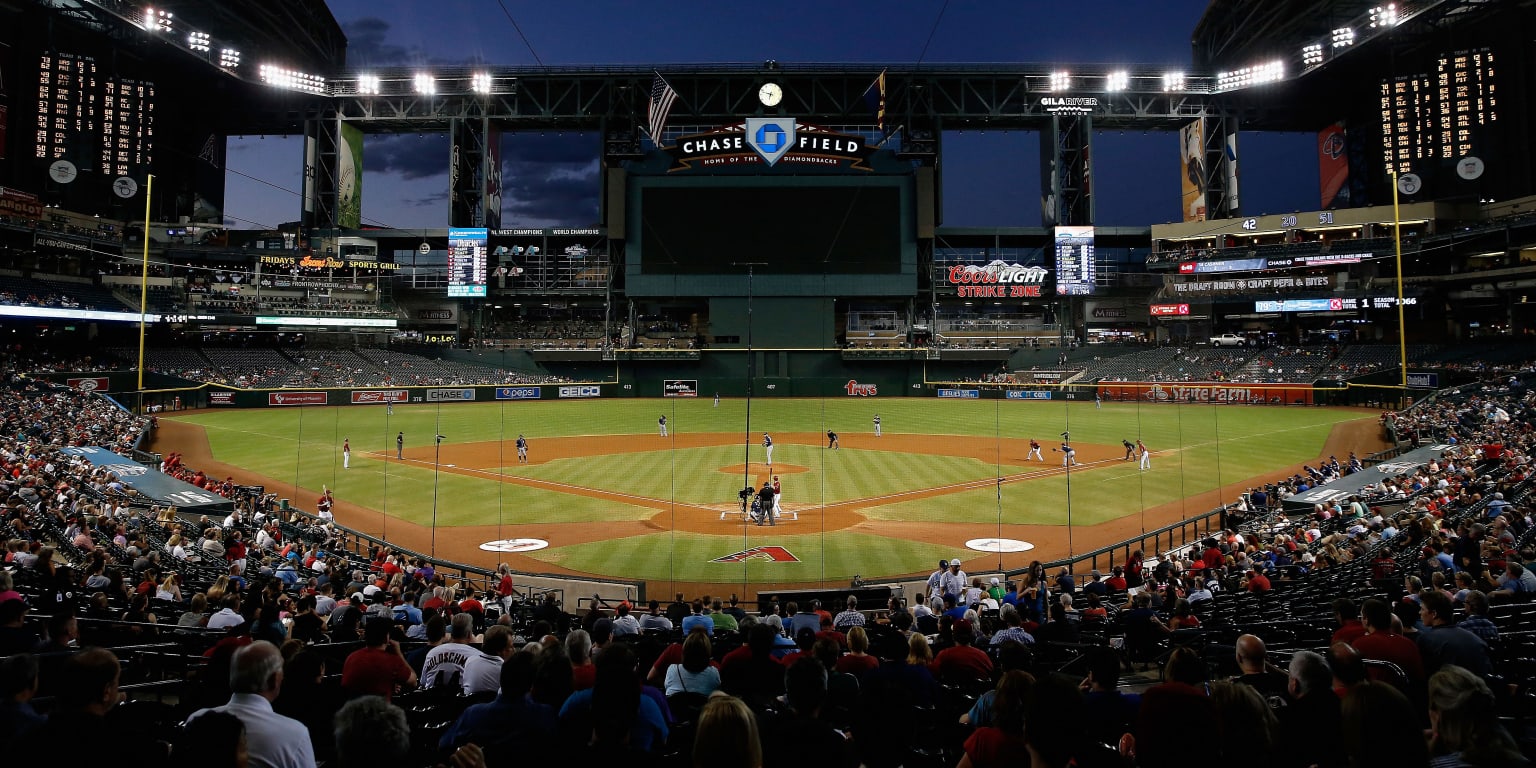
{"x": 996, "y": 272}
{"x": 855, "y": 389}
{"x": 587, "y": 391}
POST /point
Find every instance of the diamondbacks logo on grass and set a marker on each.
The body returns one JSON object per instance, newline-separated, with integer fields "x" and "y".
{"x": 770, "y": 554}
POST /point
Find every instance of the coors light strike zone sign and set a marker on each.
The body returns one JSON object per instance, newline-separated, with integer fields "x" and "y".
{"x": 998, "y": 280}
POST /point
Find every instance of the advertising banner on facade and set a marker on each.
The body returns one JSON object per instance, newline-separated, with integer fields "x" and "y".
{"x": 960, "y": 393}
{"x": 1208, "y": 392}
{"x": 680, "y": 388}
{"x": 296, "y": 398}
{"x": 582, "y": 391}
{"x": 369, "y": 396}
{"x": 349, "y": 179}
{"x": 221, "y": 397}
{"x": 518, "y": 393}
{"x": 450, "y": 395}
{"x": 1192, "y": 178}
{"x": 1027, "y": 394}
{"x": 1333, "y": 166}
{"x": 89, "y": 384}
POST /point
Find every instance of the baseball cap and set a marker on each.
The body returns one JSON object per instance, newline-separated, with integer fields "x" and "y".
{"x": 995, "y": 582}
{"x": 943, "y": 563}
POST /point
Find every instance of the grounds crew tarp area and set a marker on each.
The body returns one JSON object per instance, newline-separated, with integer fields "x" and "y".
{"x": 151, "y": 483}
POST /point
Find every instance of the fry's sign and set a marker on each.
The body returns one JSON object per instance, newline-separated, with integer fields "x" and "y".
{"x": 998, "y": 280}
{"x": 855, "y": 389}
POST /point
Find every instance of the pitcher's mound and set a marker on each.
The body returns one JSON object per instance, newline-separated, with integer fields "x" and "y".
{"x": 759, "y": 469}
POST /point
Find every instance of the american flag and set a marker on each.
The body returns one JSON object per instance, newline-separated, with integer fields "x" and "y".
{"x": 662, "y": 97}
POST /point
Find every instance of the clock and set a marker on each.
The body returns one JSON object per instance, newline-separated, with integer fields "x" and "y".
{"x": 770, "y": 94}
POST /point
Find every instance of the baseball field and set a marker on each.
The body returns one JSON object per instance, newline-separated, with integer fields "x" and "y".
{"x": 603, "y": 493}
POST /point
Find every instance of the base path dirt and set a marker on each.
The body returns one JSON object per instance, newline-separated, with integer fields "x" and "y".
{"x": 461, "y": 543}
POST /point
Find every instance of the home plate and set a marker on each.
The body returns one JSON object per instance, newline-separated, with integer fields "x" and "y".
{"x": 514, "y": 545}
{"x": 999, "y": 545}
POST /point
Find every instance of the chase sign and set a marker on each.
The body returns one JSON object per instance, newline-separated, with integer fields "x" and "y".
{"x": 770, "y": 137}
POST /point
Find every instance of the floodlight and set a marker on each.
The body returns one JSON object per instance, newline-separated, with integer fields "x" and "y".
{"x": 480, "y": 82}
{"x": 1273, "y": 71}
{"x": 1384, "y": 16}
{"x": 1312, "y": 55}
{"x": 229, "y": 58}
{"x": 292, "y": 80}
{"x": 158, "y": 20}
{"x": 198, "y": 41}
{"x": 1060, "y": 81}
{"x": 1343, "y": 37}
{"x": 1117, "y": 81}
{"x": 425, "y": 84}
{"x": 368, "y": 85}
{"x": 1173, "y": 81}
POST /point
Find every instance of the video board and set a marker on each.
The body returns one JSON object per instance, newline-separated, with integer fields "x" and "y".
{"x": 1074, "y": 261}
{"x": 467, "y": 261}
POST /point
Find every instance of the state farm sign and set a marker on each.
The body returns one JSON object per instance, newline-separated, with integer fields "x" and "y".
{"x": 998, "y": 279}
{"x": 380, "y": 396}
{"x": 296, "y": 398}
{"x": 855, "y": 389}
{"x": 1287, "y": 394}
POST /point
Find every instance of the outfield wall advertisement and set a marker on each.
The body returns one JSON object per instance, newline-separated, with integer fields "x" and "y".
{"x": 1208, "y": 392}
{"x": 680, "y": 388}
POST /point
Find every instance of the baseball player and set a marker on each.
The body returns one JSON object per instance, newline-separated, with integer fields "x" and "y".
{"x": 1146, "y": 455}
{"x": 1068, "y": 455}
{"x": 877, "y": 425}
{"x": 346, "y": 453}
{"x": 1130, "y": 450}
{"x": 400, "y": 445}
{"x": 831, "y": 439}
{"x": 1098, "y": 401}
{"x": 717, "y": 399}
{"x": 1034, "y": 451}
{"x": 522, "y": 450}
{"x": 662, "y": 423}
{"x": 768, "y": 448}
{"x": 765, "y": 498}
{"x": 778, "y": 492}
{"x": 324, "y": 504}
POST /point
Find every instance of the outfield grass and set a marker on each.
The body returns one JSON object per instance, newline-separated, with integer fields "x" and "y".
{"x": 694, "y": 473}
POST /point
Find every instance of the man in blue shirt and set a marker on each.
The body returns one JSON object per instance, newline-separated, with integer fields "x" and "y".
{"x": 511, "y": 718}
{"x": 698, "y": 619}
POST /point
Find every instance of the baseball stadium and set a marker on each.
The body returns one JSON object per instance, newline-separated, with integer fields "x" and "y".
{"x": 755, "y": 367}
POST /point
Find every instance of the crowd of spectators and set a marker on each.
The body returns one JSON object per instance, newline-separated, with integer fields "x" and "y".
{"x": 1385, "y": 630}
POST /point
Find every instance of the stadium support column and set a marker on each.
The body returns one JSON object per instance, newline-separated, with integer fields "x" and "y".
{"x": 1066, "y": 189}
{"x": 474, "y": 173}
{"x": 1221, "y": 198}
{"x": 322, "y": 172}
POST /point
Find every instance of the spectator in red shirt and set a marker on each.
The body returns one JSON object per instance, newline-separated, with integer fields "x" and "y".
{"x": 961, "y": 661}
{"x": 1116, "y": 581}
{"x": 1257, "y": 582}
{"x": 379, "y": 666}
{"x": 1382, "y": 644}
{"x": 1348, "y": 616}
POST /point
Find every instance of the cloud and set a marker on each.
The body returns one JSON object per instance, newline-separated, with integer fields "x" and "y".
{"x": 558, "y": 196}
{"x": 368, "y": 45}
{"x": 428, "y": 200}
{"x": 407, "y": 155}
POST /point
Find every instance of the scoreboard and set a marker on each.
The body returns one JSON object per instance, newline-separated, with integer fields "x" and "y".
{"x": 1446, "y": 115}
{"x": 1074, "y": 261}
{"x": 467, "y": 261}
{"x": 91, "y": 121}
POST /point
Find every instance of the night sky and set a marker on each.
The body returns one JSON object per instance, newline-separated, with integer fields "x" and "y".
{"x": 990, "y": 178}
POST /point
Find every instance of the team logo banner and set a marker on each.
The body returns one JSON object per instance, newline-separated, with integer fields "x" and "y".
{"x": 770, "y": 141}
{"x": 586, "y": 391}
{"x": 380, "y": 396}
{"x": 518, "y": 393}
{"x": 769, "y": 554}
{"x": 296, "y": 398}
{"x": 449, "y": 395}
{"x": 680, "y": 388}
{"x": 91, "y": 384}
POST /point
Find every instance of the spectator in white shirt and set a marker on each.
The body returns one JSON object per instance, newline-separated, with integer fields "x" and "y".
{"x": 482, "y": 672}
{"x": 271, "y": 740}
{"x": 229, "y": 615}
{"x": 623, "y": 623}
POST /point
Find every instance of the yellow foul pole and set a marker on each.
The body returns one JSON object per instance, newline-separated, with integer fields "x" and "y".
{"x": 1402, "y": 328}
{"x": 149, "y": 189}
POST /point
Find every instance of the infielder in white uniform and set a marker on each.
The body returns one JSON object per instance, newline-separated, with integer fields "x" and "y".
{"x": 877, "y": 425}
{"x": 1034, "y": 451}
{"x": 768, "y": 448}
{"x": 662, "y": 422}
{"x": 346, "y": 453}
{"x": 1146, "y": 455}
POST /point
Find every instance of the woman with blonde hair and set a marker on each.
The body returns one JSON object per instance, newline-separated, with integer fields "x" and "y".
{"x": 217, "y": 590}
{"x": 1464, "y": 723}
{"x": 170, "y": 588}
{"x": 727, "y": 735}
